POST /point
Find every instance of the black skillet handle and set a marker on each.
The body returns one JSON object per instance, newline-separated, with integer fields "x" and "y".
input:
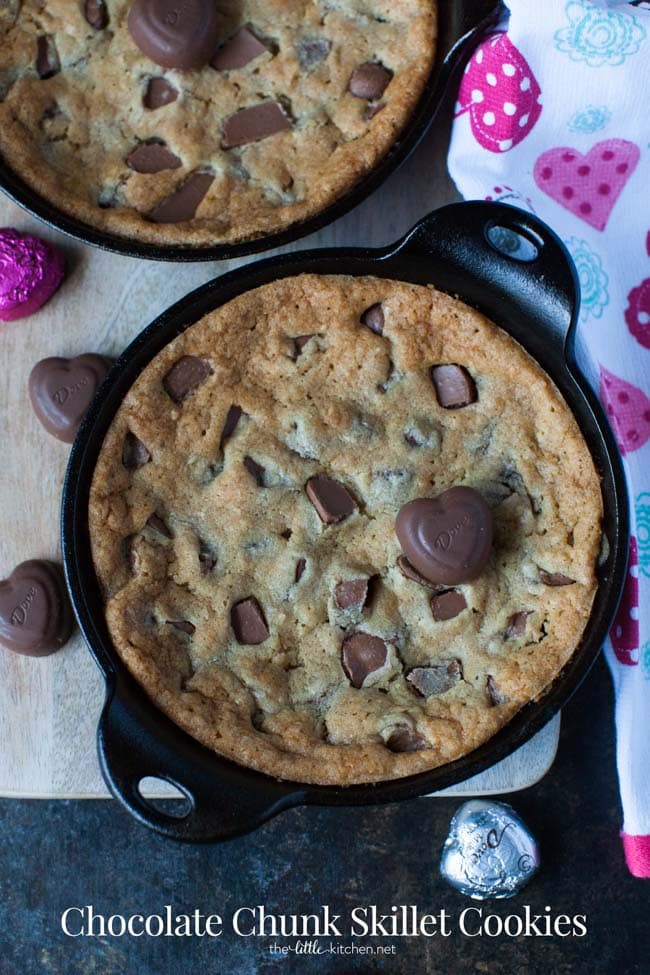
{"x": 221, "y": 800}
{"x": 508, "y": 253}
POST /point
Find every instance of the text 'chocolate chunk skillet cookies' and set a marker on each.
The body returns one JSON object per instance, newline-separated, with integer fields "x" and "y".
{"x": 345, "y": 528}
{"x": 205, "y": 121}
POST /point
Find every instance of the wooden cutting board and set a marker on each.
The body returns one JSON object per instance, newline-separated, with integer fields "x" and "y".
{"x": 49, "y": 707}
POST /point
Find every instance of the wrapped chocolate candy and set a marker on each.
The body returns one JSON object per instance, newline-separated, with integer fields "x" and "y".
{"x": 489, "y": 851}
{"x": 31, "y": 270}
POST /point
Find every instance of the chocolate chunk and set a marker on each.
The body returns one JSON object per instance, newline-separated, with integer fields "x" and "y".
{"x": 183, "y": 625}
{"x": 47, "y": 58}
{"x": 332, "y": 501}
{"x": 185, "y": 376}
{"x": 369, "y": 81}
{"x": 159, "y": 93}
{"x": 436, "y": 679}
{"x": 156, "y": 523}
{"x": 248, "y": 622}
{"x": 312, "y": 51}
{"x": 301, "y": 565}
{"x": 351, "y": 593}
{"x": 447, "y": 605}
{"x": 96, "y": 14}
{"x": 61, "y": 390}
{"x": 254, "y": 123}
{"x": 207, "y": 558}
{"x": 555, "y": 578}
{"x": 371, "y": 110}
{"x": 182, "y": 204}
{"x": 35, "y": 612}
{"x": 495, "y": 693}
{"x": 175, "y": 35}
{"x": 299, "y": 342}
{"x": 517, "y": 624}
{"x": 449, "y": 538}
{"x": 230, "y": 424}
{"x": 362, "y": 654}
{"x": 454, "y": 386}
{"x": 239, "y": 51}
{"x": 405, "y": 739}
{"x": 134, "y": 452}
{"x": 373, "y": 318}
{"x": 127, "y": 552}
{"x": 152, "y": 157}
{"x": 255, "y": 470}
{"x": 409, "y": 572}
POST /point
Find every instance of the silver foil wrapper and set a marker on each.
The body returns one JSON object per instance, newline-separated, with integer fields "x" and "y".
{"x": 489, "y": 851}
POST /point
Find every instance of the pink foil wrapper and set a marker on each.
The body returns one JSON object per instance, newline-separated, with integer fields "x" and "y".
{"x": 30, "y": 272}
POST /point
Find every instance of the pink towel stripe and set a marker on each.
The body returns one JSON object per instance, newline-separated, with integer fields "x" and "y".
{"x": 637, "y": 854}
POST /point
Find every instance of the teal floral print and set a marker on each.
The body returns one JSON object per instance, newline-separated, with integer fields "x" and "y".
{"x": 642, "y": 507}
{"x": 599, "y": 36}
{"x": 645, "y": 660}
{"x": 593, "y": 279}
{"x": 590, "y": 119}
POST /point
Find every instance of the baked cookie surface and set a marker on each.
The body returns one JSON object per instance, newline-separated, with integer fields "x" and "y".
{"x": 161, "y": 155}
{"x": 242, "y": 521}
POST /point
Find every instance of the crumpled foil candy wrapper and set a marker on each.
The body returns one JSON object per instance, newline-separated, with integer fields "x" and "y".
{"x": 31, "y": 270}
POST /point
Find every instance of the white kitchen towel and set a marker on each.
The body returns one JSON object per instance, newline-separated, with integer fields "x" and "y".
{"x": 553, "y": 115}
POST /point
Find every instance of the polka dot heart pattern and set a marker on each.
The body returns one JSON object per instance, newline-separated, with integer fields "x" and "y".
{"x": 637, "y": 313}
{"x": 501, "y": 94}
{"x": 629, "y": 411}
{"x": 587, "y": 185}
{"x": 624, "y": 633}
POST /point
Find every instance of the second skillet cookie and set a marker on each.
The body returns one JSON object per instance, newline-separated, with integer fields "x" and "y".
{"x": 271, "y": 613}
{"x": 298, "y": 101}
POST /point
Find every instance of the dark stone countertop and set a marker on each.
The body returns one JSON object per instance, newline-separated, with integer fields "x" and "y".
{"x": 60, "y": 854}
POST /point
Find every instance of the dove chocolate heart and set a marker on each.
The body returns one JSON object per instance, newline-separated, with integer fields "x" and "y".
{"x": 35, "y": 613}
{"x": 449, "y": 538}
{"x": 175, "y": 33}
{"x": 61, "y": 391}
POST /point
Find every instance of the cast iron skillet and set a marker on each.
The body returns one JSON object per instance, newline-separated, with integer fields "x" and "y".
{"x": 460, "y": 24}
{"x": 535, "y": 300}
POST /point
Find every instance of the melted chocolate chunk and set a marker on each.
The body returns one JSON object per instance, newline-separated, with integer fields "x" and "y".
{"x": 332, "y": 501}
{"x": 182, "y": 204}
{"x": 369, "y": 81}
{"x": 156, "y": 523}
{"x": 232, "y": 419}
{"x": 447, "y": 605}
{"x": 185, "y": 376}
{"x": 436, "y": 679}
{"x": 301, "y": 565}
{"x": 47, "y": 58}
{"x": 449, "y": 538}
{"x": 248, "y": 622}
{"x": 152, "y": 157}
{"x": 373, "y": 318}
{"x": 299, "y": 342}
{"x": 175, "y": 35}
{"x": 362, "y": 654}
{"x": 555, "y": 578}
{"x": 159, "y": 92}
{"x": 207, "y": 558}
{"x": 239, "y": 51}
{"x": 495, "y": 693}
{"x": 454, "y": 386}
{"x": 371, "y": 110}
{"x": 255, "y": 470}
{"x": 517, "y": 624}
{"x": 184, "y": 626}
{"x": 351, "y": 593}
{"x": 254, "y": 123}
{"x": 312, "y": 52}
{"x": 134, "y": 452}
{"x": 35, "y": 612}
{"x": 405, "y": 739}
{"x": 96, "y": 14}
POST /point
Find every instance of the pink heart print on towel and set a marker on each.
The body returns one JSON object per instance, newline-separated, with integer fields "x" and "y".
{"x": 624, "y": 633}
{"x": 637, "y": 313}
{"x": 628, "y": 408}
{"x": 501, "y": 94}
{"x": 588, "y": 186}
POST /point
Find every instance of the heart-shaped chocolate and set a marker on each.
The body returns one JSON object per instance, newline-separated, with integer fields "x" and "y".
{"x": 175, "y": 33}
{"x": 35, "y": 612}
{"x": 61, "y": 391}
{"x": 449, "y": 538}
